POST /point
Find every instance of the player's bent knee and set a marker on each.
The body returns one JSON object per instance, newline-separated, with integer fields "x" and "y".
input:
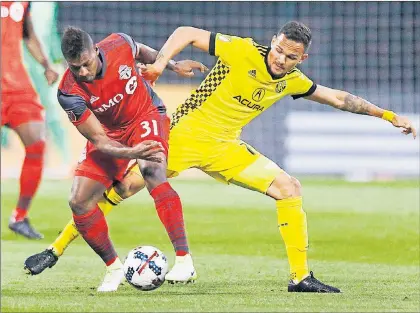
{"x": 78, "y": 206}
{"x": 284, "y": 187}
{"x": 130, "y": 185}
{"x": 298, "y": 187}
{"x": 153, "y": 171}
{"x": 149, "y": 171}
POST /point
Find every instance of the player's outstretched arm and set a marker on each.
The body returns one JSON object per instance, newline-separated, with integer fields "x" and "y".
{"x": 180, "y": 38}
{"x": 185, "y": 68}
{"x": 345, "y": 101}
{"x": 92, "y": 130}
{"x": 34, "y": 47}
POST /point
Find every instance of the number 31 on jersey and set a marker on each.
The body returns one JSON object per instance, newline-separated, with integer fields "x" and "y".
{"x": 149, "y": 128}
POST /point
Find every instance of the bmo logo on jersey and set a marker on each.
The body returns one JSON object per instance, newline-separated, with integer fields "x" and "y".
{"x": 130, "y": 88}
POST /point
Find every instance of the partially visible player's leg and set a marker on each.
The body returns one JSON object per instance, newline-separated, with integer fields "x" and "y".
{"x": 94, "y": 174}
{"x": 114, "y": 195}
{"x": 286, "y": 190}
{"x": 131, "y": 184}
{"x": 26, "y": 119}
{"x": 263, "y": 175}
{"x": 91, "y": 224}
{"x": 167, "y": 202}
{"x": 169, "y": 209}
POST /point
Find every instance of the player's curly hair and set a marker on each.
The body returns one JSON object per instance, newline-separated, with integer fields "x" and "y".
{"x": 75, "y": 41}
{"x": 298, "y": 32}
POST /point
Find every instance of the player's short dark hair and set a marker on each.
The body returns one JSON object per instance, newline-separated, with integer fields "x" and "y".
{"x": 298, "y": 32}
{"x": 74, "y": 42}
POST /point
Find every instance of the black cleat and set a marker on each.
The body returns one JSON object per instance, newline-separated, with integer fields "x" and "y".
{"x": 37, "y": 263}
{"x": 311, "y": 284}
{"x": 25, "y": 229}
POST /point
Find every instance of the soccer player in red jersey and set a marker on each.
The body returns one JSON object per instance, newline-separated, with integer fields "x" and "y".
{"x": 118, "y": 112}
{"x": 20, "y": 109}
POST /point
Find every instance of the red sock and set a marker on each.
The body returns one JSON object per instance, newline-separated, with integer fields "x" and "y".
{"x": 94, "y": 229}
{"x": 169, "y": 208}
{"x": 30, "y": 178}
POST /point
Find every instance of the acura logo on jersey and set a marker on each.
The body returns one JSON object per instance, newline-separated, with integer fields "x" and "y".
{"x": 248, "y": 103}
{"x": 258, "y": 94}
{"x": 280, "y": 86}
{"x": 130, "y": 87}
{"x": 124, "y": 71}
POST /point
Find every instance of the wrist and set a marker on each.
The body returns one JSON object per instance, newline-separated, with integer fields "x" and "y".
{"x": 161, "y": 65}
{"x": 45, "y": 64}
{"x": 171, "y": 65}
{"x": 388, "y": 115}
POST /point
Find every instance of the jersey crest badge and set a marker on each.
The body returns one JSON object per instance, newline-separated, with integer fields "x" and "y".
{"x": 280, "y": 86}
{"x": 124, "y": 71}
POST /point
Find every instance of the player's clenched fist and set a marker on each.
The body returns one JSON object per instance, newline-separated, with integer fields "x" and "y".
{"x": 150, "y": 72}
{"x": 149, "y": 150}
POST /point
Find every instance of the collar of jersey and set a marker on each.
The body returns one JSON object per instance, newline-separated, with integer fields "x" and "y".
{"x": 101, "y": 74}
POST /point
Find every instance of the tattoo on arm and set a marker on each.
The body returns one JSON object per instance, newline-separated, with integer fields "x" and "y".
{"x": 171, "y": 64}
{"x": 356, "y": 105}
{"x": 148, "y": 55}
{"x": 159, "y": 56}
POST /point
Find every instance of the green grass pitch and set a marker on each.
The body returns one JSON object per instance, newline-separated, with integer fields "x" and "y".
{"x": 364, "y": 239}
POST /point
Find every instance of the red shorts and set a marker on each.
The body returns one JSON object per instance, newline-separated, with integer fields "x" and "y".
{"x": 104, "y": 168}
{"x": 17, "y": 109}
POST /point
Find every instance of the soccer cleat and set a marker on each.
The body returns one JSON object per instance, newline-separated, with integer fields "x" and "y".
{"x": 24, "y": 228}
{"x": 183, "y": 271}
{"x": 311, "y": 284}
{"x": 113, "y": 278}
{"x": 37, "y": 263}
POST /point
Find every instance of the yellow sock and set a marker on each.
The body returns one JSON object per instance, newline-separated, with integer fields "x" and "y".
{"x": 111, "y": 198}
{"x": 293, "y": 229}
{"x": 68, "y": 234}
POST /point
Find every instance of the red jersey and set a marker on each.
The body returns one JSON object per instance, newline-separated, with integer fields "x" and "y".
{"x": 14, "y": 78}
{"x": 118, "y": 96}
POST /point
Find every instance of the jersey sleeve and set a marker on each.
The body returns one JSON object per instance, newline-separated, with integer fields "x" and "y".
{"x": 302, "y": 87}
{"x": 131, "y": 42}
{"x": 228, "y": 48}
{"x": 75, "y": 107}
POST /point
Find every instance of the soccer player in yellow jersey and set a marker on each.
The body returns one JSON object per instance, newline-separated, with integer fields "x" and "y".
{"x": 246, "y": 80}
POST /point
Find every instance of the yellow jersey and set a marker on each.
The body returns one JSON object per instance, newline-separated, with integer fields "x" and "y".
{"x": 237, "y": 89}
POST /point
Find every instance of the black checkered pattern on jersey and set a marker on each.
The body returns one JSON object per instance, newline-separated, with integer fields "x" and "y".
{"x": 207, "y": 87}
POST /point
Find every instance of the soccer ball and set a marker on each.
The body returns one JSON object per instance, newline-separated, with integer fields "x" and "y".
{"x": 145, "y": 268}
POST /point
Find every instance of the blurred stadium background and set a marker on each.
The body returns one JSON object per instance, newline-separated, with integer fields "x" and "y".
{"x": 367, "y": 48}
